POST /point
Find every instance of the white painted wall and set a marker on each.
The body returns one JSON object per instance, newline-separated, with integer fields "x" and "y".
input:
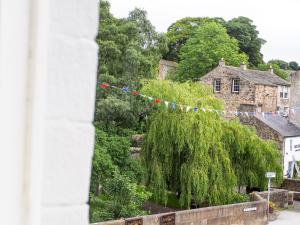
{"x": 48, "y": 63}
{"x": 291, "y": 147}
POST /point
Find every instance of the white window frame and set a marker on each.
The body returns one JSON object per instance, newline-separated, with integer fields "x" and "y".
{"x": 284, "y": 92}
{"x": 235, "y": 85}
{"x": 215, "y": 85}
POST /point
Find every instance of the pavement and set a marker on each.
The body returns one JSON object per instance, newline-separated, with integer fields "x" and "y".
{"x": 289, "y": 216}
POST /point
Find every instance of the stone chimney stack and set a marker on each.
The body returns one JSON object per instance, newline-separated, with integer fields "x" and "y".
{"x": 294, "y": 115}
{"x": 222, "y": 62}
{"x": 243, "y": 66}
{"x": 271, "y": 69}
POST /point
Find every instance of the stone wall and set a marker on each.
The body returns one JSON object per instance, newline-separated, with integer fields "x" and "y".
{"x": 266, "y": 98}
{"x": 292, "y": 185}
{"x": 249, "y": 213}
{"x": 166, "y": 67}
{"x": 263, "y": 130}
{"x": 278, "y": 196}
{"x": 295, "y": 98}
{"x": 283, "y": 103}
{"x": 232, "y": 101}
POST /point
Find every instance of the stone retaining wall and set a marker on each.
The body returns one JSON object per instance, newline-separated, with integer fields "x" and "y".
{"x": 278, "y": 196}
{"x": 292, "y": 185}
{"x": 249, "y": 213}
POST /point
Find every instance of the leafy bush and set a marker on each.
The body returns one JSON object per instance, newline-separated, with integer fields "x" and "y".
{"x": 121, "y": 198}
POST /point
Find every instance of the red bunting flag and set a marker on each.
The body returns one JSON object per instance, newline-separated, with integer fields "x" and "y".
{"x": 104, "y": 86}
{"x": 157, "y": 100}
{"x": 135, "y": 92}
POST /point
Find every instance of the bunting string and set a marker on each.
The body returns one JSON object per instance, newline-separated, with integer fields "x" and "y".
{"x": 187, "y": 108}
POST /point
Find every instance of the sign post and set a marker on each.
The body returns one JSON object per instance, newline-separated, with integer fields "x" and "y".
{"x": 269, "y": 176}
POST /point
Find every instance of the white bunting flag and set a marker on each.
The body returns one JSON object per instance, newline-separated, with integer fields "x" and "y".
{"x": 167, "y": 104}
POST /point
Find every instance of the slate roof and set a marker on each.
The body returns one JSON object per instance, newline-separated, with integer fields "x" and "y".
{"x": 280, "y": 124}
{"x": 260, "y": 77}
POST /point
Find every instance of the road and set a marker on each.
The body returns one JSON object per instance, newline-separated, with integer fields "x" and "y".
{"x": 288, "y": 217}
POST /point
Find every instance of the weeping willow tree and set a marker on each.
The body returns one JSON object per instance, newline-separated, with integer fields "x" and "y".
{"x": 198, "y": 155}
{"x": 251, "y": 156}
{"x": 183, "y": 151}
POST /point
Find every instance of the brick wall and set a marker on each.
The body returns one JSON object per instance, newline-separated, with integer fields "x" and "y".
{"x": 250, "y": 213}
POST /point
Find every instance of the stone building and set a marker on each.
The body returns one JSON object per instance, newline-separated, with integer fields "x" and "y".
{"x": 166, "y": 67}
{"x": 294, "y": 115}
{"x": 248, "y": 90}
{"x": 277, "y": 128}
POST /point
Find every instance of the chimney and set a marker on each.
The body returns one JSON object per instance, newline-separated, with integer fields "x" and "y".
{"x": 222, "y": 62}
{"x": 243, "y": 66}
{"x": 271, "y": 69}
{"x": 294, "y": 115}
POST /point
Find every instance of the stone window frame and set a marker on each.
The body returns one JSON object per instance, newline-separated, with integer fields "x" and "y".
{"x": 236, "y": 87}
{"x": 215, "y": 85}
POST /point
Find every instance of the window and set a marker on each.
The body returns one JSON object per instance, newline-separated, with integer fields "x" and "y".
{"x": 284, "y": 92}
{"x": 217, "y": 85}
{"x": 235, "y": 85}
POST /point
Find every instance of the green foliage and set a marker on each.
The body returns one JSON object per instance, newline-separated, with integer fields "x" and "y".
{"x": 279, "y": 72}
{"x": 112, "y": 156}
{"x": 189, "y": 159}
{"x": 251, "y": 157}
{"x": 245, "y": 32}
{"x": 180, "y": 31}
{"x": 114, "y": 192}
{"x": 129, "y": 48}
{"x": 122, "y": 198}
{"x": 280, "y": 63}
{"x": 205, "y": 48}
{"x": 201, "y": 156}
{"x": 294, "y": 65}
{"x": 239, "y": 198}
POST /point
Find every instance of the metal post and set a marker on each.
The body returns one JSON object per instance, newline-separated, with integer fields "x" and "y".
{"x": 269, "y": 186}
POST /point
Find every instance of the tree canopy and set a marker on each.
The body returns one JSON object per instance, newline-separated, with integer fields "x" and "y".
{"x": 202, "y": 157}
{"x": 245, "y": 32}
{"x": 129, "y": 50}
{"x": 205, "y": 48}
{"x": 180, "y": 31}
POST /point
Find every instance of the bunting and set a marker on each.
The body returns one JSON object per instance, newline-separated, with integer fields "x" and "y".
{"x": 187, "y": 108}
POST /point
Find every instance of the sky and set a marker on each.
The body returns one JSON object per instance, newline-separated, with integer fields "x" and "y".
{"x": 276, "y": 20}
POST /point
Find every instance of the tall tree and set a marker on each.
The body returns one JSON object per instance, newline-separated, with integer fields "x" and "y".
{"x": 250, "y": 156}
{"x": 276, "y": 68}
{"x": 205, "y": 48}
{"x": 189, "y": 159}
{"x": 280, "y": 63}
{"x": 180, "y": 31}
{"x": 294, "y": 65}
{"x": 201, "y": 155}
{"x": 243, "y": 29}
{"x": 129, "y": 50}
